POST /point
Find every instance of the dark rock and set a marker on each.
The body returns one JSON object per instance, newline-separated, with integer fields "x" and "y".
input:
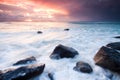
{"x": 0, "y": 72}
{"x": 115, "y": 45}
{"x": 39, "y": 32}
{"x": 23, "y": 73}
{"x": 63, "y": 52}
{"x": 83, "y": 67}
{"x": 66, "y": 29}
{"x": 50, "y": 75}
{"x": 117, "y": 37}
{"x": 26, "y": 61}
{"x": 108, "y": 58}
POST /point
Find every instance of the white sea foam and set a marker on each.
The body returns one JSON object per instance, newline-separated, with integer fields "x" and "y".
{"x": 20, "y": 40}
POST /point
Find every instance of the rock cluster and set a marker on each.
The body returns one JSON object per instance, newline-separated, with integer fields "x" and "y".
{"x": 62, "y": 51}
{"x": 107, "y": 57}
{"x": 23, "y": 72}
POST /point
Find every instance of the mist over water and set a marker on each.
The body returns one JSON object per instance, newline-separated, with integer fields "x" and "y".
{"x": 20, "y": 40}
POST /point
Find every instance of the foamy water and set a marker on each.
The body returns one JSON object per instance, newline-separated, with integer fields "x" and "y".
{"x": 20, "y": 40}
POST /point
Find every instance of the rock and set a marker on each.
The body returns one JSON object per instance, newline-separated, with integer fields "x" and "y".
{"x": 108, "y": 58}
{"x": 0, "y": 72}
{"x": 117, "y": 37}
{"x": 115, "y": 45}
{"x": 39, "y": 32}
{"x": 26, "y": 61}
{"x": 50, "y": 75}
{"x": 62, "y": 51}
{"x": 66, "y": 29}
{"x": 83, "y": 67}
{"x": 23, "y": 73}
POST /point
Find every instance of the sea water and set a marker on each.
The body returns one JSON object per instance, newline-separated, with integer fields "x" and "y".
{"x": 19, "y": 40}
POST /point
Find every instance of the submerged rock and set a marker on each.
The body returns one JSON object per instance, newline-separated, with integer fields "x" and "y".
{"x": 66, "y": 29}
{"x": 26, "y": 61}
{"x": 0, "y": 72}
{"x": 23, "y": 73}
{"x": 108, "y": 58}
{"x": 62, "y": 51}
{"x": 83, "y": 67}
{"x": 50, "y": 75}
{"x": 117, "y": 37}
{"x": 115, "y": 45}
{"x": 39, "y": 32}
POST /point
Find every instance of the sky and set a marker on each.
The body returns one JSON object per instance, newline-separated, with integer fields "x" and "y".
{"x": 59, "y": 10}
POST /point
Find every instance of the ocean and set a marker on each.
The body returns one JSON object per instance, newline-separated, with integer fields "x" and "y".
{"x": 19, "y": 40}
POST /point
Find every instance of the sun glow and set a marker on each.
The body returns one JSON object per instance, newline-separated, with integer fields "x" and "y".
{"x": 29, "y": 11}
{"x": 28, "y": 20}
{"x": 49, "y": 13}
{"x": 1, "y": 11}
{"x": 27, "y": 14}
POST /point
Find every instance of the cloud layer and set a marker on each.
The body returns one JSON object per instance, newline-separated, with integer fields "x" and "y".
{"x": 63, "y": 10}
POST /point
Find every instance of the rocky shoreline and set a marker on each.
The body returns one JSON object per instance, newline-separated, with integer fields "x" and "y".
{"x": 107, "y": 57}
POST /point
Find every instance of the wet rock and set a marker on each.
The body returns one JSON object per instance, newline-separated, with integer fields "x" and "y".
{"x": 26, "y": 61}
{"x": 62, "y": 51}
{"x": 50, "y": 75}
{"x": 23, "y": 73}
{"x": 0, "y": 72}
{"x": 39, "y": 32}
{"x": 66, "y": 29}
{"x": 83, "y": 67}
{"x": 108, "y": 58}
{"x": 115, "y": 45}
{"x": 117, "y": 37}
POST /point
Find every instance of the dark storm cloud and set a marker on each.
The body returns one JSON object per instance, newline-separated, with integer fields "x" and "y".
{"x": 107, "y": 10}
{"x": 94, "y": 10}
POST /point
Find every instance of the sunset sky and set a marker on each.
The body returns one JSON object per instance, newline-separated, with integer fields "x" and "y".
{"x": 59, "y": 10}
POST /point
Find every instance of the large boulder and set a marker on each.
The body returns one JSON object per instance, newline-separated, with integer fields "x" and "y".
{"x": 115, "y": 45}
{"x": 108, "y": 58}
{"x": 62, "y": 51}
{"x": 25, "y": 61}
{"x": 22, "y": 73}
{"x": 83, "y": 67}
{"x": 50, "y": 75}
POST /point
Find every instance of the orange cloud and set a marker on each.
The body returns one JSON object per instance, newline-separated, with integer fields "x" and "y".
{"x": 29, "y": 10}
